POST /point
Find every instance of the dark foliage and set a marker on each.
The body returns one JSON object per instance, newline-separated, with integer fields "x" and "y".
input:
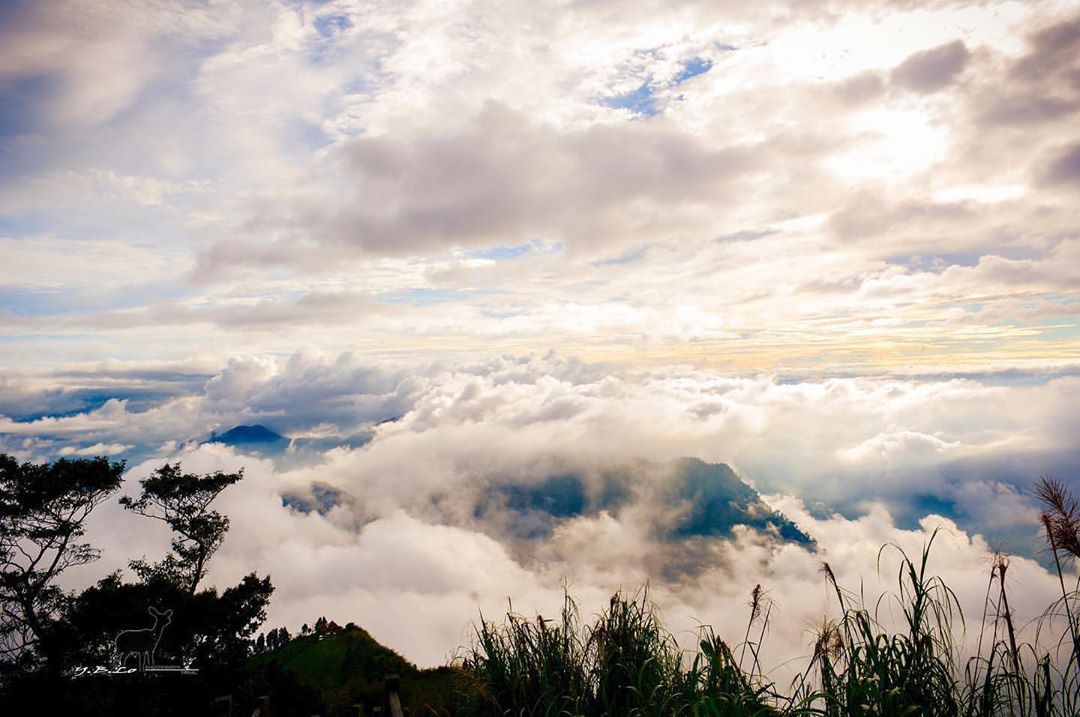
{"x": 182, "y": 501}
{"x": 168, "y": 620}
{"x": 43, "y": 509}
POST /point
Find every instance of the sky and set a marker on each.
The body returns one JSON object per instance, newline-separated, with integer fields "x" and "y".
{"x": 448, "y": 246}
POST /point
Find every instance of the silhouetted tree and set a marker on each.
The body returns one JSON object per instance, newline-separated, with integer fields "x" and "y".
{"x": 210, "y": 629}
{"x": 43, "y": 509}
{"x": 182, "y": 501}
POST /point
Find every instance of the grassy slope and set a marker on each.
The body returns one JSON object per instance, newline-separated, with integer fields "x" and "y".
{"x": 348, "y": 668}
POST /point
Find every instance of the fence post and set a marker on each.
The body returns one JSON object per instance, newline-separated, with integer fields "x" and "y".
{"x": 227, "y": 699}
{"x": 392, "y": 700}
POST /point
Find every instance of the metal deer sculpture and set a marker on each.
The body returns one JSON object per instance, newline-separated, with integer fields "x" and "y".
{"x": 143, "y": 643}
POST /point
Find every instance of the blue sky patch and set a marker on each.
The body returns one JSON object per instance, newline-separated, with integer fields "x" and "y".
{"x": 640, "y": 101}
{"x": 692, "y": 68}
{"x": 930, "y": 262}
{"x": 625, "y": 258}
{"x": 22, "y": 302}
{"x": 309, "y": 134}
{"x": 330, "y": 25}
{"x": 18, "y": 111}
{"x": 516, "y": 251}
{"x": 429, "y": 297}
{"x": 744, "y": 235}
{"x": 84, "y": 301}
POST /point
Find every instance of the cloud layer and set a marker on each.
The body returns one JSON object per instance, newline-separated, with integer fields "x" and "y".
{"x": 446, "y": 504}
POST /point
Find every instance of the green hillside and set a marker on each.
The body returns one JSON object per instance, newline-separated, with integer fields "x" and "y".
{"x": 328, "y": 673}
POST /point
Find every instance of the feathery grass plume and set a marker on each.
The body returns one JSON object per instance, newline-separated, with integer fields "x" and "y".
{"x": 1011, "y": 677}
{"x": 1014, "y": 669}
{"x": 1062, "y": 517}
{"x": 842, "y": 597}
{"x": 830, "y": 641}
{"x": 1061, "y": 521}
{"x": 755, "y": 612}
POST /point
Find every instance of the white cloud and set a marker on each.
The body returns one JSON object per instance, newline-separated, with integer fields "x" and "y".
{"x": 52, "y": 264}
{"x": 97, "y": 449}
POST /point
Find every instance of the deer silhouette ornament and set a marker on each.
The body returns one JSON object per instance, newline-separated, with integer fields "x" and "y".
{"x": 142, "y": 643}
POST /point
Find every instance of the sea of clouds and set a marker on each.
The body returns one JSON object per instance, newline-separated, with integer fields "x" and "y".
{"x": 371, "y": 514}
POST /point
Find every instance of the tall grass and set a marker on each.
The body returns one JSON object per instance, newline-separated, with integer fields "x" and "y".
{"x": 625, "y": 663}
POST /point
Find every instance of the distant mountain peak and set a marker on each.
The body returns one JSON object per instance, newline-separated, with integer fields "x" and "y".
{"x": 717, "y": 500}
{"x": 255, "y": 435}
{"x": 695, "y": 499}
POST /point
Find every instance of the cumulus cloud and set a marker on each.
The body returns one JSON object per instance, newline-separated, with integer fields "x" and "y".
{"x": 1052, "y": 50}
{"x": 931, "y": 70}
{"x": 96, "y": 59}
{"x": 1064, "y": 168}
{"x": 501, "y": 178}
